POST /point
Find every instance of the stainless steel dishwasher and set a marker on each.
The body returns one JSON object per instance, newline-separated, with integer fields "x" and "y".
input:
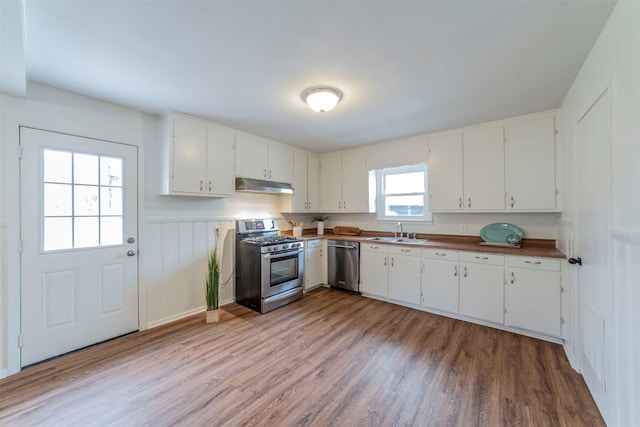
{"x": 344, "y": 265}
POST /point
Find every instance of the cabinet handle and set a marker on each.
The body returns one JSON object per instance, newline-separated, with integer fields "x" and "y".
{"x": 460, "y": 202}
{"x": 385, "y": 261}
{"x": 344, "y": 205}
{"x": 533, "y": 262}
{"x": 440, "y": 254}
{"x": 201, "y": 185}
{"x": 513, "y": 202}
{"x": 269, "y": 173}
{"x": 210, "y": 186}
{"x": 309, "y": 205}
{"x": 405, "y": 250}
{"x": 469, "y": 201}
{"x": 513, "y": 278}
{"x": 455, "y": 271}
{"x": 391, "y": 261}
{"x": 339, "y": 205}
{"x": 464, "y": 272}
{"x": 264, "y": 173}
{"x": 483, "y": 258}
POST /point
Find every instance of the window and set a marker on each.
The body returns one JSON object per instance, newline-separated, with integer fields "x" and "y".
{"x": 82, "y": 204}
{"x": 400, "y": 193}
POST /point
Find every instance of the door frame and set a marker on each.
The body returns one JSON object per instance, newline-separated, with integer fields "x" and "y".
{"x": 112, "y": 126}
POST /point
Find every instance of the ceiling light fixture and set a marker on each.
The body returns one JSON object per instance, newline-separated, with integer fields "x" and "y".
{"x": 321, "y": 98}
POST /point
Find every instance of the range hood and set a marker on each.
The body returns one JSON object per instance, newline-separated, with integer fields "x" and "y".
{"x": 248, "y": 185}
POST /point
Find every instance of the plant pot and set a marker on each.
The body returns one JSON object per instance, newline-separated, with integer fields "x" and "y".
{"x": 213, "y": 316}
{"x": 320, "y": 228}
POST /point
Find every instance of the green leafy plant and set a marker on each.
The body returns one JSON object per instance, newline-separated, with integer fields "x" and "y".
{"x": 212, "y": 280}
{"x": 320, "y": 218}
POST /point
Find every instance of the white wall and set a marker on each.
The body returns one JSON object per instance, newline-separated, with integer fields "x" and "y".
{"x": 614, "y": 62}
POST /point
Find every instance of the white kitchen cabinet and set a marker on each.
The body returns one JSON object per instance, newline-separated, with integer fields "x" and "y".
{"x": 374, "y": 260}
{"x": 482, "y": 286}
{"x": 196, "y": 157}
{"x": 532, "y": 293}
{"x": 306, "y": 175}
{"x": 314, "y": 261}
{"x": 404, "y": 274}
{"x": 483, "y": 162}
{"x": 440, "y": 279}
{"x": 259, "y": 158}
{"x": 530, "y": 164}
{"x": 344, "y": 182}
{"x": 445, "y": 172}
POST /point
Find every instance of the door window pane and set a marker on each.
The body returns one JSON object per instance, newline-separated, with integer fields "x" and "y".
{"x": 110, "y": 231}
{"x": 85, "y": 169}
{"x": 57, "y": 199}
{"x": 110, "y": 201}
{"x": 85, "y": 200}
{"x": 85, "y": 232}
{"x": 57, "y": 166}
{"x": 57, "y": 233}
{"x": 111, "y": 171}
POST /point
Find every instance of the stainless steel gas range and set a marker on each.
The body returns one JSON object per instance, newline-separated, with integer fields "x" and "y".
{"x": 269, "y": 267}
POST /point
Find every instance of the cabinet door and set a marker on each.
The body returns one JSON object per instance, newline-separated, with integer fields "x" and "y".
{"x": 404, "y": 277}
{"x": 355, "y": 182}
{"x": 313, "y": 183}
{"x": 445, "y": 172}
{"x": 533, "y": 300}
{"x": 189, "y": 155}
{"x": 314, "y": 261}
{"x": 220, "y": 155}
{"x": 251, "y": 157}
{"x": 482, "y": 291}
{"x": 300, "y": 182}
{"x": 530, "y": 166}
{"x": 440, "y": 285}
{"x": 331, "y": 183}
{"x": 483, "y": 168}
{"x": 280, "y": 164}
{"x": 373, "y": 273}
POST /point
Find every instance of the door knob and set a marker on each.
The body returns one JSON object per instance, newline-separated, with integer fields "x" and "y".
{"x": 575, "y": 261}
{"x": 131, "y": 253}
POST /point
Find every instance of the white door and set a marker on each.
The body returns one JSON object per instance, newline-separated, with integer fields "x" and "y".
{"x": 79, "y": 262}
{"x": 593, "y": 245}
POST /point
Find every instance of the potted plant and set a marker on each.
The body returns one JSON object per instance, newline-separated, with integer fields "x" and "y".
{"x": 320, "y": 219}
{"x": 212, "y": 286}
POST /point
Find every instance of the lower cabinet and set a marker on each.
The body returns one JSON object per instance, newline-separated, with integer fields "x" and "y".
{"x": 532, "y": 294}
{"x": 314, "y": 264}
{"x": 482, "y": 286}
{"x": 373, "y": 269}
{"x": 404, "y": 274}
{"x": 440, "y": 280}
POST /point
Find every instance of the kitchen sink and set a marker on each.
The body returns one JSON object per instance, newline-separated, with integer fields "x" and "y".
{"x": 397, "y": 240}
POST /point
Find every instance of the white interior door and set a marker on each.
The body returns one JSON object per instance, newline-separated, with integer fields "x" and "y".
{"x": 79, "y": 262}
{"x": 592, "y": 243}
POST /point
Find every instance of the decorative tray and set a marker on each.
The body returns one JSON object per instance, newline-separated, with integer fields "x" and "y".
{"x": 502, "y": 233}
{"x": 347, "y": 231}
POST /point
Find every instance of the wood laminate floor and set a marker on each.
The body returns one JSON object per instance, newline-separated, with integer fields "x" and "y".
{"x": 332, "y": 359}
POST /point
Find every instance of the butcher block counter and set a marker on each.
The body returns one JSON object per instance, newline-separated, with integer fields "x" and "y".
{"x": 544, "y": 248}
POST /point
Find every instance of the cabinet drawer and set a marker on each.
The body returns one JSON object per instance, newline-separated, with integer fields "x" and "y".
{"x": 404, "y": 250}
{"x": 442, "y": 254}
{"x": 482, "y": 258}
{"x": 315, "y": 243}
{"x": 534, "y": 263}
{"x": 374, "y": 247}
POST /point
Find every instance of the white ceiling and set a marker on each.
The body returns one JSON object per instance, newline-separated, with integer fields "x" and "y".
{"x": 405, "y": 67}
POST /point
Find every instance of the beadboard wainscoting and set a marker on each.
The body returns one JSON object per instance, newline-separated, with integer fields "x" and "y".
{"x": 174, "y": 264}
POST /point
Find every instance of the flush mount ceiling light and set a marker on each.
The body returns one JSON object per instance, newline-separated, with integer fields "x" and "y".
{"x": 321, "y": 98}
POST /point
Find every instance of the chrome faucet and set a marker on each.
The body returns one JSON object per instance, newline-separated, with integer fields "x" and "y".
{"x": 400, "y": 227}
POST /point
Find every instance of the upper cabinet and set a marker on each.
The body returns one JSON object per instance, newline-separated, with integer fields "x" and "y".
{"x": 508, "y": 166}
{"x": 260, "y": 158}
{"x": 344, "y": 182}
{"x": 306, "y": 188}
{"x": 530, "y": 159}
{"x": 196, "y": 157}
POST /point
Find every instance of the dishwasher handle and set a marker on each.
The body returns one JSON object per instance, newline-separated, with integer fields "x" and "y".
{"x": 342, "y": 246}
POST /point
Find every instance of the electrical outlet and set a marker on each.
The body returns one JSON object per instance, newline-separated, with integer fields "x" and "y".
{"x": 463, "y": 228}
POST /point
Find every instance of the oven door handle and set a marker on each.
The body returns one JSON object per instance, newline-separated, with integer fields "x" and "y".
{"x": 282, "y": 254}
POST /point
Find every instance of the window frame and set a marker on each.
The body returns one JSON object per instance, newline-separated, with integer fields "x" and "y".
{"x": 380, "y": 194}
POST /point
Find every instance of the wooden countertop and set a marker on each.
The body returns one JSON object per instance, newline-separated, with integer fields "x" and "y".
{"x": 544, "y": 248}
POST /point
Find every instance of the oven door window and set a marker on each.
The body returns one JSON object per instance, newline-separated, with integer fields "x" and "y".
{"x": 284, "y": 269}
